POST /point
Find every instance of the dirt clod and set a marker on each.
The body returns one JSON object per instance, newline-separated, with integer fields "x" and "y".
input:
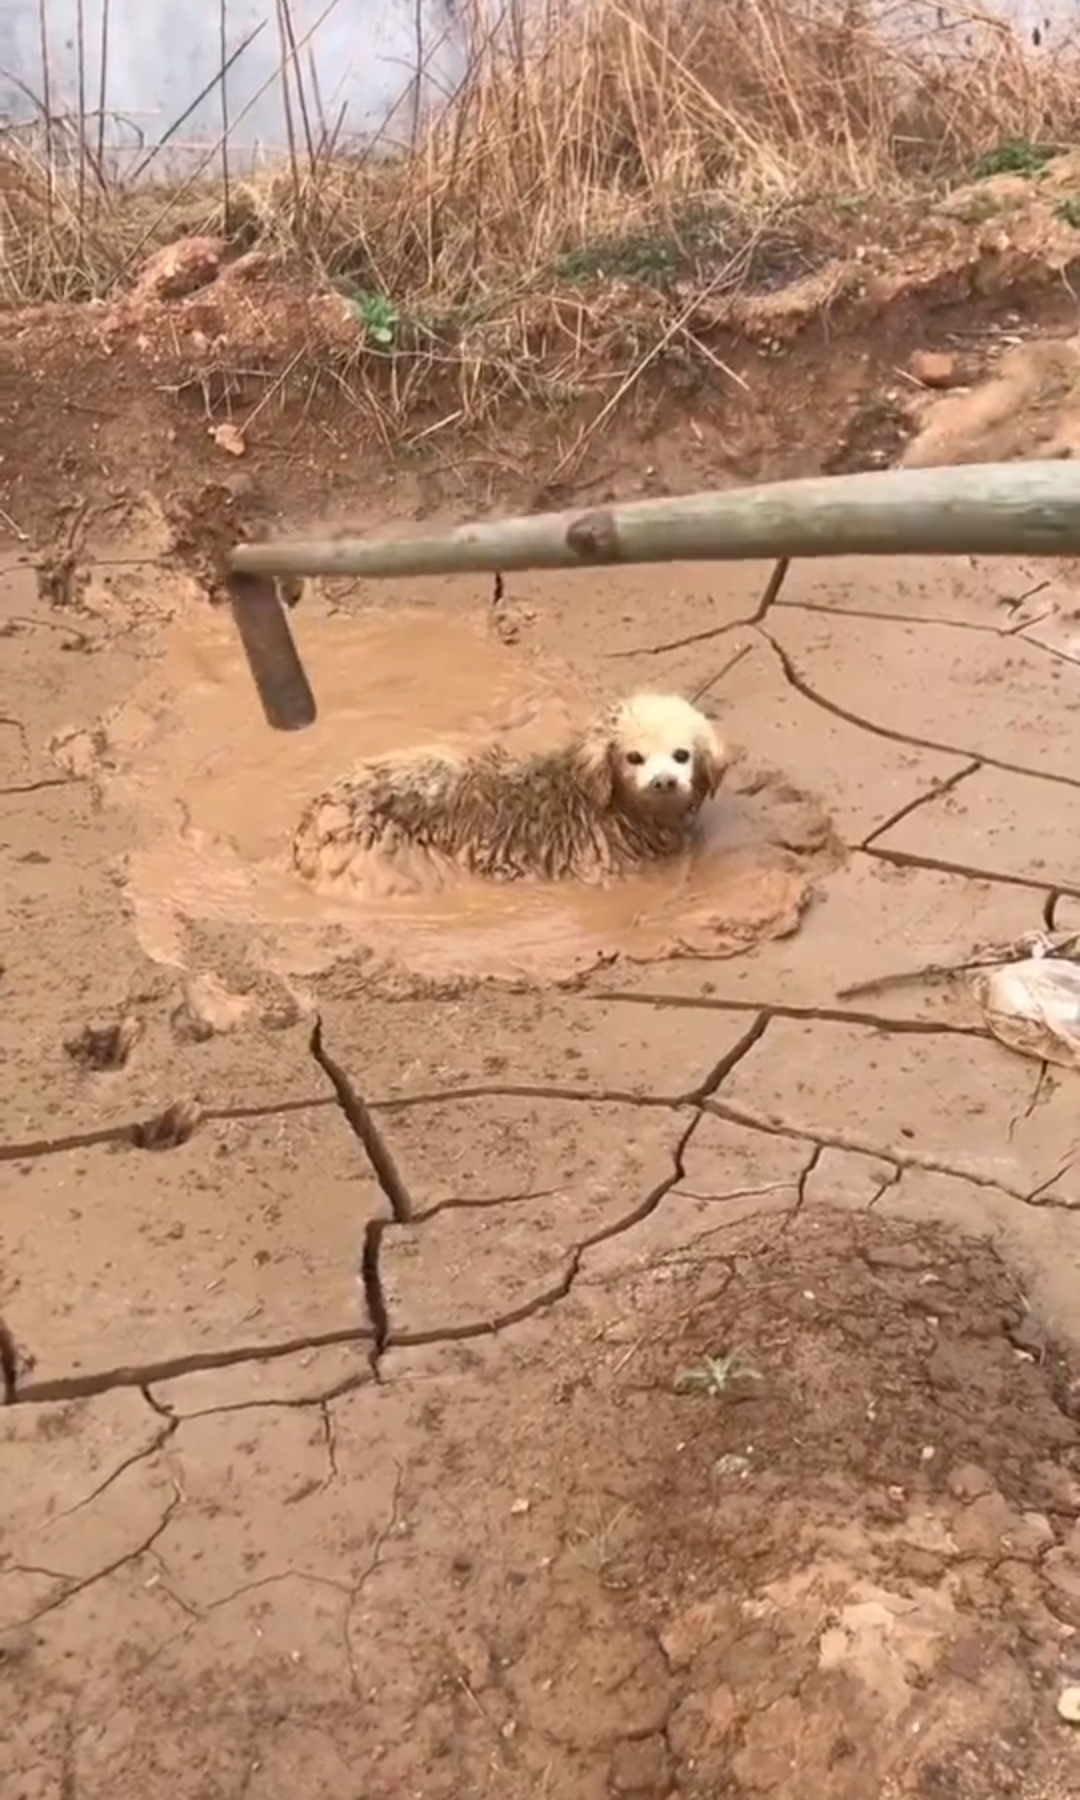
{"x": 935, "y": 369}
{"x": 178, "y": 269}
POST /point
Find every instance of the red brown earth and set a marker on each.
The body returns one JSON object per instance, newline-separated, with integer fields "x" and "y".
{"x": 663, "y": 1385}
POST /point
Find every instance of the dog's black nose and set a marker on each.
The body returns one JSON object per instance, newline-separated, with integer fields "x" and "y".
{"x": 663, "y": 784}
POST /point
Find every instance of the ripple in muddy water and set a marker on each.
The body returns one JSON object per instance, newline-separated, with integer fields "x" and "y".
{"x": 217, "y": 796}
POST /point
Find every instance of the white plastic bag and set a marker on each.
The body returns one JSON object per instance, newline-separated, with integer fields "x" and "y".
{"x": 1034, "y": 1006}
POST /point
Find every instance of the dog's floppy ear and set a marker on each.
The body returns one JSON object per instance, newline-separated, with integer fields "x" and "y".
{"x": 594, "y": 768}
{"x": 710, "y": 761}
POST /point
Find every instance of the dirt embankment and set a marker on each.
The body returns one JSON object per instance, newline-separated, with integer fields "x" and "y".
{"x": 214, "y": 365}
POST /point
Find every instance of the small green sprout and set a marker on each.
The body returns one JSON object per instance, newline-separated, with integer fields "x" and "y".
{"x": 715, "y": 1374}
{"x": 378, "y": 315}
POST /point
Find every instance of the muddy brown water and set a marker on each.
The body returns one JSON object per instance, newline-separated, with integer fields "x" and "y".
{"x": 217, "y": 795}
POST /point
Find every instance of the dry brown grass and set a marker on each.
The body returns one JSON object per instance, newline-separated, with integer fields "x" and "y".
{"x": 600, "y": 163}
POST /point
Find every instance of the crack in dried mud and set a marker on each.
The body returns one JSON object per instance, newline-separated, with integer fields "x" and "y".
{"x": 816, "y": 1153}
{"x": 801, "y": 686}
{"x": 7, "y": 723}
{"x": 888, "y": 1153}
{"x": 1018, "y": 631}
{"x": 753, "y": 1034}
{"x": 481, "y": 1202}
{"x": 1034, "y": 1196}
{"x": 768, "y": 598}
{"x": 324, "y": 1399}
{"x": 80, "y": 1585}
{"x": 169, "y": 1425}
{"x": 823, "y": 1015}
{"x": 379, "y": 1333}
{"x": 939, "y": 865}
{"x": 936, "y": 623}
{"x": 945, "y": 786}
{"x": 681, "y": 643}
{"x": 559, "y": 1289}
{"x": 170, "y": 1368}
{"x": 359, "y": 1117}
{"x": 372, "y": 1288}
{"x": 133, "y": 1134}
{"x": 12, "y": 789}
{"x": 9, "y": 1364}
{"x": 888, "y": 1181}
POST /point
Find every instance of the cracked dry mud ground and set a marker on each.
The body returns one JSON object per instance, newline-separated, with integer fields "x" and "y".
{"x": 349, "y": 1454}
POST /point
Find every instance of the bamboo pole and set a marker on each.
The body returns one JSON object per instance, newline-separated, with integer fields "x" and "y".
{"x": 986, "y": 509}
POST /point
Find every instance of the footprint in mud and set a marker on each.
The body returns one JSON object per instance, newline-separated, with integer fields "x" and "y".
{"x": 217, "y": 798}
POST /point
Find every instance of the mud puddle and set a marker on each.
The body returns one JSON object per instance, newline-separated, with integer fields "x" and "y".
{"x": 217, "y": 795}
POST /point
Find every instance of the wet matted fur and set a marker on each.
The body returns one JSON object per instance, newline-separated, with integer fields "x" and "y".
{"x": 624, "y": 792}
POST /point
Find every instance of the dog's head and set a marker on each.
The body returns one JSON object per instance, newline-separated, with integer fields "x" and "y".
{"x": 656, "y": 753}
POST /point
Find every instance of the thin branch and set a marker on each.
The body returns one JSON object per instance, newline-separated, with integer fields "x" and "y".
{"x": 185, "y": 186}
{"x": 290, "y": 133}
{"x": 103, "y": 82}
{"x": 46, "y": 101}
{"x": 80, "y": 31}
{"x": 301, "y": 99}
{"x": 223, "y": 52}
{"x": 193, "y": 106}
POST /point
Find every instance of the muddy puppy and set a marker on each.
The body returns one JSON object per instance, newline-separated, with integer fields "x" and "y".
{"x": 624, "y": 792}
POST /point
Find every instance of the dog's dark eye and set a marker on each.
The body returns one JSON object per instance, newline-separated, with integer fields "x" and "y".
{"x": 635, "y": 757}
{"x": 681, "y": 756}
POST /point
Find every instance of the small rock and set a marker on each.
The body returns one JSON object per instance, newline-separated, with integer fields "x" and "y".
{"x": 935, "y": 369}
{"x": 1069, "y": 1705}
{"x": 731, "y": 1464}
{"x": 227, "y": 437}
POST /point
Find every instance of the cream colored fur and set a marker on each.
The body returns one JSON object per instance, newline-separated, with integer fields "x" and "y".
{"x": 623, "y": 793}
